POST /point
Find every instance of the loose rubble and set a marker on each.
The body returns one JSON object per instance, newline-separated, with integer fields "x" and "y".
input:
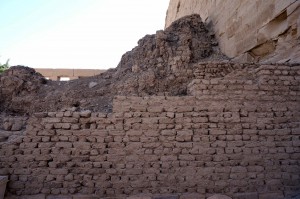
{"x": 161, "y": 64}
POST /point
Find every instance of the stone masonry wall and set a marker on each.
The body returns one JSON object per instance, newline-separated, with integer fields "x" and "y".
{"x": 253, "y": 30}
{"x": 239, "y": 138}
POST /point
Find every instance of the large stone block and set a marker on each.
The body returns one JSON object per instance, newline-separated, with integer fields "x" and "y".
{"x": 241, "y": 26}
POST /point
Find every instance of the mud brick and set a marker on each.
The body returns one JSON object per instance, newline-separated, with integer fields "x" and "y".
{"x": 63, "y": 145}
{"x": 51, "y": 120}
{"x": 70, "y": 120}
{"x": 82, "y": 145}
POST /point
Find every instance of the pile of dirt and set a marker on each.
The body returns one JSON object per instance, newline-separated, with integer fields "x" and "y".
{"x": 161, "y": 64}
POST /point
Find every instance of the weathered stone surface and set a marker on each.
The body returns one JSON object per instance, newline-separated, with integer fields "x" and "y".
{"x": 249, "y": 30}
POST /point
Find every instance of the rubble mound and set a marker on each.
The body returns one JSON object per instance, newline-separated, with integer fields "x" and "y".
{"x": 19, "y": 84}
{"x": 163, "y": 63}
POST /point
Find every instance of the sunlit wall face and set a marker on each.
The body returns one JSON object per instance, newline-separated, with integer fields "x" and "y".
{"x": 75, "y": 33}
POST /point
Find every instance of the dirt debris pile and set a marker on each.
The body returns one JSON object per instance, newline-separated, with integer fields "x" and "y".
{"x": 18, "y": 86}
{"x": 161, "y": 64}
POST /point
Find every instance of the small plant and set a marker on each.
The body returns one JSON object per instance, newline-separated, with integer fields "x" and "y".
{"x": 4, "y": 67}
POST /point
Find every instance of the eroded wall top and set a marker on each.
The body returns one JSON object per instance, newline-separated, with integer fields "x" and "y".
{"x": 248, "y": 30}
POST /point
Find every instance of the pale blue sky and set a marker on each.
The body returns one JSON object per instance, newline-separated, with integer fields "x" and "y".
{"x": 75, "y": 33}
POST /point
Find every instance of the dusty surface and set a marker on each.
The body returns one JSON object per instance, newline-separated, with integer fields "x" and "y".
{"x": 160, "y": 64}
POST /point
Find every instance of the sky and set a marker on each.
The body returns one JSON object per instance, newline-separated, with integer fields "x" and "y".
{"x": 90, "y": 34}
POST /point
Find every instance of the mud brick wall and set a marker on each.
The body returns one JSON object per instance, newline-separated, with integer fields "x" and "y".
{"x": 160, "y": 145}
{"x": 237, "y": 134}
{"x": 264, "y": 83}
